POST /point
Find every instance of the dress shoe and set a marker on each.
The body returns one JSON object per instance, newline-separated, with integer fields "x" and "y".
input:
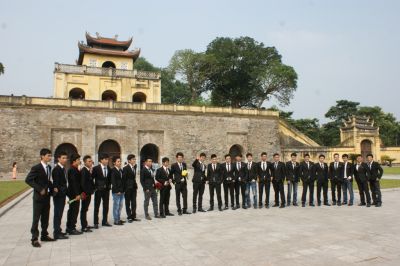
{"x": 282, "y": 206}
{"x": 64, "y": 233}
{"x": 86, "y": 230}
{"x": 74, "y": 232}
{"x": 333, "y": 203}
{"x": 311, "y": 205}
{"x": 220, "y": 209}
{"x": 350, "y": 204}
{"x": 373, "y": 203}
{"x": 327, "y": 204}
{"x": 378, "y": 205}
{"x": 148, "y": 217}
{"x": 130, "y": 220}
{"x": 226, "y": 208}
{"x": 233, "y": 208}
{"x": 194, "y": 211}
{"x": 275, "y": 205}
{"x": 163, "y": 216}
{"x": 60, "y": 236}
{"x": 344, "y": 203}
{"x": 244, "y": 207}
{"x": 157, "y": 216}
{"x": 295, "y": 204}
{"x": 303, "y": 205}
{"x": 339, "y": 204}
{"x": 89, "y": 227}
{"x": 36, "y": 244}
{"x": 319, "y": 203}
{"x": 368, "y": 205}
{"x": 260, "y": 206}
{"x": 96, "y": 226}
{"x": 122, "y": 221}
{"x": 118, "y": 223}
{"x": 201, "y": 210}
{"x": 361, "y": 204}
{"x": 46, "y": 239}
{"x": 169, "y": 214}
{"x": 210, "y": 209}
{"x": 179, "y": 213}
{"x": 106, "y": 224}
{"x": 186, "y": 212}
{"x": 137, "y": 219}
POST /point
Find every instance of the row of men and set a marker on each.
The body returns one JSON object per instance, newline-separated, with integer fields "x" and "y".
{"x": 235, "y": 177}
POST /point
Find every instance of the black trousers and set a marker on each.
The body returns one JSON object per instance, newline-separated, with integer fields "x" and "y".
{"x": 322, "y": 185}
{"x": 261, "y": 186}
{"x": 72, "y": 215}
{"x": 181, "y": 189}
{"x": 364, "y": 191}
{"x": 279, "y": 189}
{"x": 229, "y": 188}
{"x": 99, "y": 196}
{"x": 84, "y": 209}
{"x": 59, "y": 203}
{"x": 130, "y": 202}
{"x": 240, "y": 188}
{"x": 41, "y": 210}
{"x": 375, "y": 187}
{"x": 198, "y": 191}
{"x": 164, "y": 200}
{"x": 217, "y": 188}
{"x": 308, "y": 185}
{"x": 336, "y": 185}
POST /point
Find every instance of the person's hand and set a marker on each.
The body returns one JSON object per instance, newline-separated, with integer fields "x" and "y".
{"x": 78, "y": 197}
{"x": 119, "y": 193}
{"x": 43, "y": 192}
{"x": 183, "y": 179}
{"x": 147, "y": 191}
{"x": 288, "y": 182}
{"x": 56, "y": 190}
{"x": 207, "y": 182}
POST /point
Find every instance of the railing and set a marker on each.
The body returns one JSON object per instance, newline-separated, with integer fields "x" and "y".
{"x": 151, "y": 107}
{"x": 108, "y": 72}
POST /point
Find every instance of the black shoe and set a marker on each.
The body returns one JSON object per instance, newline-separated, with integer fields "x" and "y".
{"x": 186, "y": 212}
{"x": 333, "y": 203}
{"x": 118, "y": 223}
{"x": 46, "y": 239}
{"x": 106, "y": 224}
{"x": 122, "y": 221}
{"x": 138, "y": 220}
{"x": 226, "y": 208}
{"x": 179, "y": 213}
{"x": 350, "y": 204}
{"x": 169, "y": 214}
{"x": 378, "y": 205}
{"x": 244, "y": 207}
{"x": 211, "y": 209}
{"x": 194, "y": 211}
{"x": 339, "y": 204}
{"x": 74, "y": 232}
{"x": 373, "y": 203}
{"x": 89, "y": 227}
{"x": 327, "y": 204}
{"x": 368, "y": 205}
{"x": 220, "y": 209}
{"x": 319, "y": 204}
{"x": 311, "y": 205}
{"x": 233, "y": 208}
{"x": 148, "y": 217}
{"x": 344, "y": 203}
{"x": 130, "y": 220}
{"x": 267, "y": 206}
{"x": 361, "y": 204}
{"x": 260, "y": 206}
{"x": 157, "y": 216}
{"x": 295, "y": 204}
{"x": 303, "y": 205}
{"x": 86, "y": 230}
{"x": 60, "y": 236}
{"x": 201, "y": 210}
{"x": 275, "y": 205}
{"x": 96, "y": 226}
{"x": 36, "y": 244}
{"x": 282, "y": 206}
{"x": 163, "y": 216}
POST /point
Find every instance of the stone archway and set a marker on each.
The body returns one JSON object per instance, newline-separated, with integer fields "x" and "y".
{"x": 139, "y": 97}
{"x": 65, "y": 147}
{"x": 235, "y": 150}
{"x": 77, "y": 93}
{"x": 109, "y": 95}
{"x": 149, "y": 150}
{"x": 108, "y": 64}
{"x": 111, "y": 148}
{"x": 366, "y": 147}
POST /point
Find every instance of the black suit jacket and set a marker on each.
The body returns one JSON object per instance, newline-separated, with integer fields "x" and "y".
{"x": 146, "y": 179}
{"x": 199, "y": 175}
{"x": 319, "y": 173}
{"x": 228, "y": 176}
{"x": 279, "y": 173}
{"x": 241, "y": 175}
{"x": 305, "y": 172}
{"x": 74, "y": 183}
{"x": 336, "y": 174}
{"x": 264, "y": 175}
{"x": 362, "y": 173}
{"x": 101, "y": 182}
{"x": 292, "y": 174}
{"x": 87, "y": 183}
{"x": 176, "y": 173}
{"x": 129, "y": 177}
{"x": 252, "y": 173}
{"x": 59, "y": 176}
{"x": 375, "y": 171}
{"x": 117, "y": 180}
{"x": 214, "y": 176}
{"x": 38, "y": 180}
{"x": 163, "y": 176}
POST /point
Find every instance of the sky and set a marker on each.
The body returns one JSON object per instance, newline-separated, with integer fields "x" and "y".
{"x": 340, "y": 49}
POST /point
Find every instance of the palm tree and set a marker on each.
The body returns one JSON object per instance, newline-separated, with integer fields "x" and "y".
{"x": 1, "y": 69}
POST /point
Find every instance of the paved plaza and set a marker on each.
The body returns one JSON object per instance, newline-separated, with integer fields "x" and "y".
{"x": 291, "y": 236}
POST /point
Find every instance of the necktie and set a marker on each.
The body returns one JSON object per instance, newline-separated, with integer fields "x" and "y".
{"x": 294, "y": 165}
{"x": 133, "y": 170}
{"x": 238, "y": 164}
{"x": 229, "y": 167}
{"x": 105, "y": 171}
{"x": 335, "y": 166}
{"x": 263, "y": 166}
{"x": 308, "y": 166}
{"x": 180, "y": 166}
{"x": 48, "y": 172}
{"x": 214, "y": 167}
{"x": 322, "y": 166}
{"x": 249, "y": 166}
{"x": 276, "y": 165}
{"x": 370, "y": 166}
{"x": 345, "y": 166}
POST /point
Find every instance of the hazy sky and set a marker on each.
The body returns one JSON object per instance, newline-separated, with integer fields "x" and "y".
{"x": 340, "y": 49}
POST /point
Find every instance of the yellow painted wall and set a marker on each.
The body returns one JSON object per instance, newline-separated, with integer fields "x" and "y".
{"x": 100, "y": 59}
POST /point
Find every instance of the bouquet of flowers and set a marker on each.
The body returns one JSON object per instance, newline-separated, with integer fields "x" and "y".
{"x": 83, "y": 197}
{"x": 158, "y": 187}
{"x": 184, "y": 173}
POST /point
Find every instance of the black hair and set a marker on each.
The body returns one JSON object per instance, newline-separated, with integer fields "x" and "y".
{"x": 62, "y": 153}
{"x": 115, "y": 158}
{"x": 322, "y": 156}
{"x": 86, "y": 157}
{"x": 203, "y": 154}
{"x": 74, "y": 157}
{"x": 213, "y": 156}
{"x": 249, "y": 154}
{"x": 370, "y": 155}
{"x": 345, "y": 156}
{"x": 165, "y": 159}
{"x": 179, "y": 154}
{"x": 103, "y": 156}
{"x": 44, "y": 152}
{"x": 227, "y": 155}
{"x": 276, "y": 154}
{"x": 263, "y": 153}
{"x": 306, "y": 155}
{"x": 293, "y": 154}
{"x": 130, "y": 157}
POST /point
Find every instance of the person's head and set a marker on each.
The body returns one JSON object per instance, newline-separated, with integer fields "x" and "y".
{"x": 228, "y": 158}
{"x": 45, "y": 155}
{"x": 306, "y": 157}
{"x": 103, "y": 158}
{"x": 359, "y": 158}
{"x": 370, "y": 157}
{"x": 116, "y": 160}
{"x": 321, "y": 158}
{"x": 179, "y": 157}
{"x": 131, "y": 159}
{"x": 75, "y": 160}
{"x": 336, "y": 157}
{"x": 264, "y": 156}
{"x": 62, "y": 158}
{"x": 214, "y": 158}
{"x": 148, "y": 162}
{"x": 14, "y": 164}
{"x": 345, "y": 157}
{"x": 87, "y": 161}
{"x": 238, "y": 158}
{"x": 293, "y": 156}
{"x": 276, "y": 157}
{"x": 165, "y": 161}
{"x": 249, "y": 157}
{"x": 202, "y": 156}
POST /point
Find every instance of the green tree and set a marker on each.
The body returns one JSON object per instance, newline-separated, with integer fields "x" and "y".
{"x": 342, "y": 110}
{"x": 173, "y": 91}
{"x": 1, "y": 69}
{"x": 142, "y": 64}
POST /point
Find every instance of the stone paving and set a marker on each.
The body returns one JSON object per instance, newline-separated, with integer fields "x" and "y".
{"x": 291, "y": 236}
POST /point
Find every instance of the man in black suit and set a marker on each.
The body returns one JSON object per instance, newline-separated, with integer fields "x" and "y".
{"x": 87, "y": 186}
{"x": 179, "y": 176}
{"x": 101, "y": 174}
{"x": 199, "y": 182}
{"x": 264, "y": 180}
{"x": 307, "y": 179}
{"x": 278, "y": 174}
{"x": 320, "y": 172}
{"x": 292, "y": 178}
{"x": 214, "y": 180}
{"x": 252, "y": 170}
{"x": 147, "y": 180}
{"x": 241, "y": 176}
{"x": 347, "y": 185}
{"x": 375, "y": 175}
{"x": 228, "y": 177}
{"x": 74, "y": 193}
{"x": 39, "y": 179}
{"x": 130, "y": 185}
{"x": 59, "y": 176}
{"x": 163, "y": 177}
{"x": 336, "y": 177}
{"x": 361, "y": 174}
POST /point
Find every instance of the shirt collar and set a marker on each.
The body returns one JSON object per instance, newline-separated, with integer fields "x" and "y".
{"x": 45, "y": 165}
{"x": 62, "y": 167}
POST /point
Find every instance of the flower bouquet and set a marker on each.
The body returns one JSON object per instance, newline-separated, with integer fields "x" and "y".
{"x": 83, "y": 197}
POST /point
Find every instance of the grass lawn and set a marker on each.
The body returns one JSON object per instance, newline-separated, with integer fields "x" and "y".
{"x": 390, "y": 183}
{"x": 391, "y": 171}
{"x": 10, "y": 188}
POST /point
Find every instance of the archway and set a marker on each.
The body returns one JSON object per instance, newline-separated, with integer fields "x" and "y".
{"x": 235, "y": 150}
{"x": 65, "y": 147}
{"x": 77, "y": 93}
{"x": 139, "y": 97}
{"x": 108, "y": 64}
{"x": 111, "y": 148}
{"x": 366, "y": 147}
{"x": 109, "y": 95}
{"x": 149, "y": 150}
